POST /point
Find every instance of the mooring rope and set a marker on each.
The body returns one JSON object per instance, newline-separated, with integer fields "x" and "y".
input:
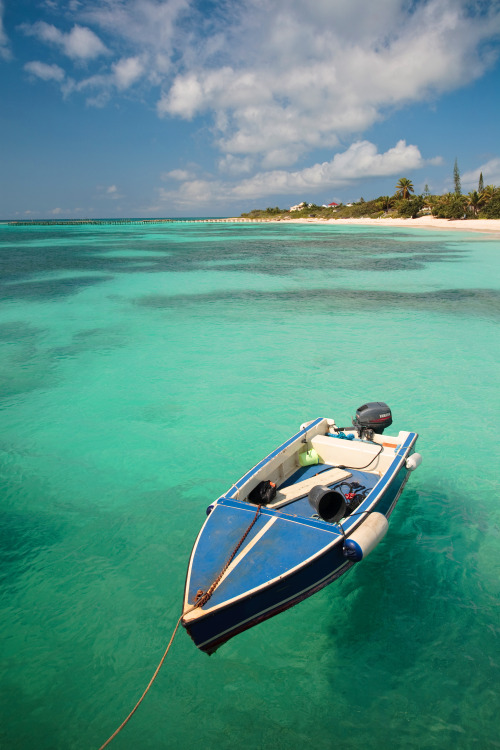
{"x": 153, "y": 678}
{"x": 201, "y": 599}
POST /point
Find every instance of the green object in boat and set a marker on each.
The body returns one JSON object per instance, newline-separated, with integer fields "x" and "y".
{"x": 309, "y": 458}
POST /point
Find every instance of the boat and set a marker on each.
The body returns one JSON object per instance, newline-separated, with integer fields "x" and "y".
{"x": 298, "y": 520}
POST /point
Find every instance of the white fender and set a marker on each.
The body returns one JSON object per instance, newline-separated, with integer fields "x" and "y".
{"x": 361, "y": 542}
{"x": 413, "y": 461}
{"x": 306, "y": 424}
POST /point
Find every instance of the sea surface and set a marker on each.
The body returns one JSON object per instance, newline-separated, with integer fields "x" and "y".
{"x": 143, "y": 369}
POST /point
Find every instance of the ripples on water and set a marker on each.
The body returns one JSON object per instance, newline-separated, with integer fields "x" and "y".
{"x": 142, "y": 370}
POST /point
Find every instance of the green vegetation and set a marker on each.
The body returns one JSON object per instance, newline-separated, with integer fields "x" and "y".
{"x": 404, "y": 188}
{"x": 492, "y": 209}
{"x": 483, "y": 203}
{"x": 410, "y": 208}
{"x": 449, "y": 206}
{"x": 259, "y": 213}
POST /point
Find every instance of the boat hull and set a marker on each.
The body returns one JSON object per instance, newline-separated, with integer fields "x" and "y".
{"x": 213, "y": 624}
{"x": 210, "y": 632}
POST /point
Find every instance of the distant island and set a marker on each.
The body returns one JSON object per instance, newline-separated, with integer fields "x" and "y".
{"x": 483, "y": 203}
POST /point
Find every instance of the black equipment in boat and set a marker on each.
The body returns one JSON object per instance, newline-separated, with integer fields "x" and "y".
{"x": 328, "y": 504}
{"x": 264, "y": 493}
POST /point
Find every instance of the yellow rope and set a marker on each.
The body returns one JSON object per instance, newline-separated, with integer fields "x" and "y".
{"x": 153, "y": 678}
{"x": 202, "y": 600}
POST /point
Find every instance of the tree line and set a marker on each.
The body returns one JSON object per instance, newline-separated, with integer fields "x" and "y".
{"x": 481, "y": 203}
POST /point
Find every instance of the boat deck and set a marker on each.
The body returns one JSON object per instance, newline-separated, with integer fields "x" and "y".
{"x": 300, "y": 507}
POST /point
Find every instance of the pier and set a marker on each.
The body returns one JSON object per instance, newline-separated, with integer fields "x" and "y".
{"x": 93, "y": 222}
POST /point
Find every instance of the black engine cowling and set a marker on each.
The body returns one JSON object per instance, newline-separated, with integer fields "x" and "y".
{"x": 374, "y": 416}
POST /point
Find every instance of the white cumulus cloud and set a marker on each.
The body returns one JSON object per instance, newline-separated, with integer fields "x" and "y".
{"x": 80, "y": 43}
{"x": 490, "y": 171}
{"x": 44, "y": 71}
{"x": 113, "y": 193}
{"x": 110, "y": 192}
{"x": 5, "y": 52}
{"x": 127, "y": 71}
{"x": 360, "y": 160}
{"x": 280, "y": 77}
{"x": 177, "y": 174}
{"x": 274, "y": 80}
{"x": 234, "y": 165}
{"x": 144, "y": 24}
{"x": 290, "y": 76}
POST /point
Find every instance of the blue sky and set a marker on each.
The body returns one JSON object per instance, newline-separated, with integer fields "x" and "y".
{"x": 214, "y": 107}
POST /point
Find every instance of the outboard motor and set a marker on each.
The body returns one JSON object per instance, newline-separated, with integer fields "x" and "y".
{"x": 372, "y": 417}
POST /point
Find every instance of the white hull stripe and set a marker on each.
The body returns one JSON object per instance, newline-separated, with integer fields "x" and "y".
{"x": 247, "y": 549}
{"x": 333, "y": 575}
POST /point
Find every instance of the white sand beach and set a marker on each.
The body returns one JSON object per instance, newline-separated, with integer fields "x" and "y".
{"x": 424, "y": 222}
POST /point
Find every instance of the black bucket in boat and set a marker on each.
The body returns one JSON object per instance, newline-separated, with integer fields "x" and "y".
{"x": 328, "y": 504}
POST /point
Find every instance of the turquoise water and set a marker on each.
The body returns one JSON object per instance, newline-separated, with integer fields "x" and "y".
{"x": 143, "y": 370}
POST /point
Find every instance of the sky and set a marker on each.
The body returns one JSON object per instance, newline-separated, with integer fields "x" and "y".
{"x": 170, "y": 108}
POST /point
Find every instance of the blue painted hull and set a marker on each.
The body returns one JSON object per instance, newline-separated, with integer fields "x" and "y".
{"x": 285, "y": 559}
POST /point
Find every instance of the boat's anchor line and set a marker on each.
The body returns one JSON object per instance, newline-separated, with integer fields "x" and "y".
{"x": 235, "y": 561}
{"x": 201, "y": 599}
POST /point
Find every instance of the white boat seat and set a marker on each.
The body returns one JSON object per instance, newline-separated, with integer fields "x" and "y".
{"x": 300, "y": 489}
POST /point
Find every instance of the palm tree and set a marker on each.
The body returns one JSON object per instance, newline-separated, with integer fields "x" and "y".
{"x": 429, "y": 200}
{"x": 449, "y": 206}
{"x": 474, "y": 201}
{"x": 488, "y": 193}
{"x": 386, "y": 202}
{"x": 404, "y": 187}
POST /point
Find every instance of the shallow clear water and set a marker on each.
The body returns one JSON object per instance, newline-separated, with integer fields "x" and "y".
{"x": 142, "y": 371}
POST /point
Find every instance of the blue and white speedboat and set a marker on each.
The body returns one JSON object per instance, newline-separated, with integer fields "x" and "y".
{"x": 298, "y": 520}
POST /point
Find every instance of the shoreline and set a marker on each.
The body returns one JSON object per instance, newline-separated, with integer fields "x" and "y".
{"x": 424, "y": 222}
{"x": 484, "y": 226}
